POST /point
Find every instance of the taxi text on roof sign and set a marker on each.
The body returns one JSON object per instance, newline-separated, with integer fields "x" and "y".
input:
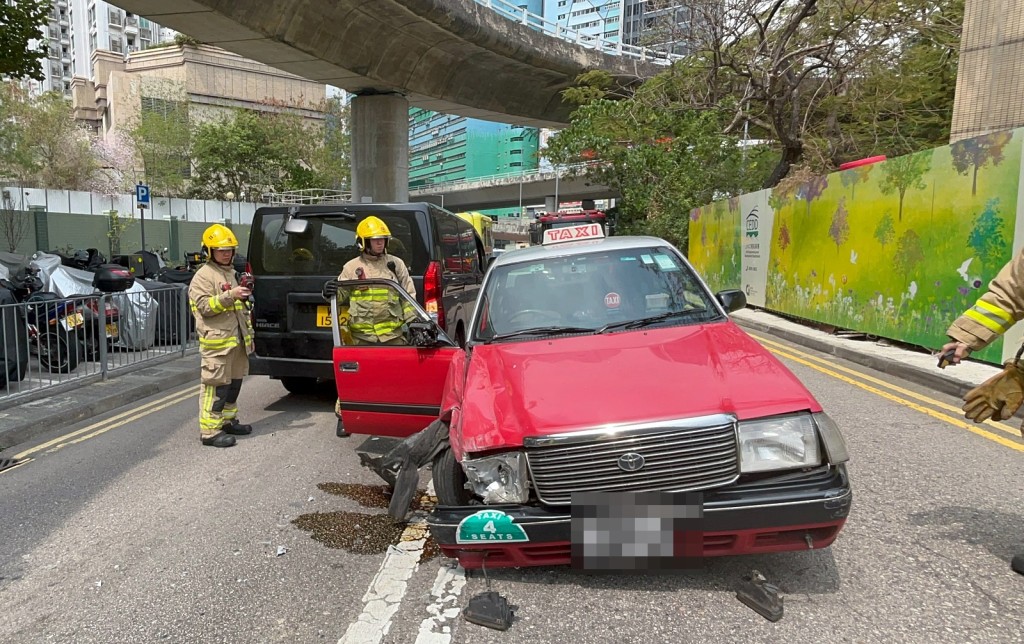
{"x": 573, "y": 233}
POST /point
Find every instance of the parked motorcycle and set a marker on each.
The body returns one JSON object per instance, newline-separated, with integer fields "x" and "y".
{"x": 53, "y": 322}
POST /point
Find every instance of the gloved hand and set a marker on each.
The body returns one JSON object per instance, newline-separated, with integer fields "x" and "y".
{"x": 999, "y": 397}
{"x": 330, "y": 290}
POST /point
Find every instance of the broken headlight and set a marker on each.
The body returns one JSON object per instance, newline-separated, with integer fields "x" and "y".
{"x": 782, "y": 443}
{"x": 501, "y": 478}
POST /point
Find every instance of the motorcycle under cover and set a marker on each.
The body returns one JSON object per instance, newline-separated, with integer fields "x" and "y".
{"x": 171, "y": 299}
{"x": 138, "y": 314}
{"x": 13, "y": 340}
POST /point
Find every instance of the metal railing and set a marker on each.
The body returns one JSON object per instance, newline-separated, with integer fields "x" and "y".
{"x": 57, "y": 344}
{"x": 563, "y": 171}
{"x": 540, "y": 23}
{"x": 306, "y": 196}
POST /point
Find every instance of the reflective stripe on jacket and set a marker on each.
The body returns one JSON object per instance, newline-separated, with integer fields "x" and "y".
{"x": 998, "y": 309}
{"x": 222, "y": 322}
{"x": 376, "y": 313}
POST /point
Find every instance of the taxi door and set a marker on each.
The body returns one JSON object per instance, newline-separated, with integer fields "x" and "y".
{"x": 394, "y": 387}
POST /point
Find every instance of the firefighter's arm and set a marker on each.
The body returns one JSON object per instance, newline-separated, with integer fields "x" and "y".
{"x": 404, "y": 279}
{"x": 998, "y": 309}
{"x": 209, "y": 299}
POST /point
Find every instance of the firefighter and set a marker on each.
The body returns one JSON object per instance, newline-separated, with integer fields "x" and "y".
{"x": 376, "y": 315}
{"x": 998, "y": 309}
{"x": 218, "y": 303}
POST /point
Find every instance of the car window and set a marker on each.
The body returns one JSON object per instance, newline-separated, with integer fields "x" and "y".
{"x": 451, "y": 245}
{"x": 593, "y": 290}
{"x": 467, "y": 246}
{"x": 329, "y": 242}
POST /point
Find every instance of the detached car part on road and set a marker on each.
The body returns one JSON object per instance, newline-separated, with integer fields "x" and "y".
{"x": 605, "y": 412}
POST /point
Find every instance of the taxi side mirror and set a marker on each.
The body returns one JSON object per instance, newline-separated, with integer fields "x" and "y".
{"x": 731, "y": 299}
{"x": 422, "y": 333}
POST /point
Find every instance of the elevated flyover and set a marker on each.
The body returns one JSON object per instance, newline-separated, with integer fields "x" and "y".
{"x": 453, "y": 56}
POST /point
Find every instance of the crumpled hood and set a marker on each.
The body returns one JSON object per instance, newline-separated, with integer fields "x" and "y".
{"x": 541, "y": 387}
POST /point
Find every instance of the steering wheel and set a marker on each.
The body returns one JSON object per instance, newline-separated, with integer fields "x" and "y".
{"x": 535, "y": 317}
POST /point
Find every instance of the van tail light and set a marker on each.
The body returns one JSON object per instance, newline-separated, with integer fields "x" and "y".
{"x": 432, "y": 293}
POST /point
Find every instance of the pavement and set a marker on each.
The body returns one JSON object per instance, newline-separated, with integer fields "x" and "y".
{"x": 28, "y": 420}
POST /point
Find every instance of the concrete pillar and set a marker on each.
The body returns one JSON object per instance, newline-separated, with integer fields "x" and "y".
{"x": 380, "y": 148}
{"x": 550, "y": 205}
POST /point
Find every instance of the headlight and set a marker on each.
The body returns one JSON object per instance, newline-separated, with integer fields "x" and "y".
{"x": 783, "y": 443}
{"x": 835, "y": 444}
{"x": 499, "y": 479}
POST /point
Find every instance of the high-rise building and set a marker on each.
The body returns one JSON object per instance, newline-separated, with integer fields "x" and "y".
{"x": 602, "y": 18}
{"x": 657, "y": 24}
{"x": 77, "y": 28}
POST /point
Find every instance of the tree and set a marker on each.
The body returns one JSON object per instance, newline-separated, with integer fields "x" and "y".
{"x": 839, "y": 231}
{"x": 332, "y": 159}
{"x": 986, "y": 237}
{"x": 909, "y": 253}
{"x": 22, "y": 23}
{"x": 41, "y": 144}
{"x": 904, "y": 173}
{"x": 885, "y": 231}
{"x": 161, "y": 134}
{"x": 117, "y": 174}
{"x": 14, "y": 224}
{"x": 811, "y": 190}
{"x": 978, "y": 152}
{"x": 784, "y": 240}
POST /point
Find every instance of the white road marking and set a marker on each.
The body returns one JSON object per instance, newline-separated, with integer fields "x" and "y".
{"x": 447, "y": 588}
{"x": 384, "y": 596}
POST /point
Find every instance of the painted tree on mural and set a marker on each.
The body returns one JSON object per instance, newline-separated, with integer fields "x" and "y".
{"x": 811, "y": 190}
{"x": 986, "y": 237}
{"x": 974, "y": 154}
{"x": 839, "y": 231}
{"x": 909, "y": 253}
{"x": 885, "y": 231}
{"x": 784, "y": 237}
{"x": 850, "y": 178}
{"x": 905, "y": 173}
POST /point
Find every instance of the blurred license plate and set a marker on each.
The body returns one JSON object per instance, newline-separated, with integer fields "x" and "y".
{"x": 72, "y": 321}
{"x": 636, "y": 531}
{"x": 112, "y": 330}
{"x": 323, "y": 316}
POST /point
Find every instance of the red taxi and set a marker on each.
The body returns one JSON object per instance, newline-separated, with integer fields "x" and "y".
{"x": 605, "y": 412}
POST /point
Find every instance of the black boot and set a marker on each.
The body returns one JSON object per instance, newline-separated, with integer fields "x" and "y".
{"x": 218, "y": 440}
{"x": 341, "y": 430}
{"x": 234, "y": 427}
{"x": 1017, "y": 564}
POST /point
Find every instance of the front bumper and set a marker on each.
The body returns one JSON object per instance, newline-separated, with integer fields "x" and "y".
{"x": 787, "y": 512}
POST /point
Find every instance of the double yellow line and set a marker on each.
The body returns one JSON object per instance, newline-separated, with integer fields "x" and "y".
{"x": 861, "y": 380}
{"x": 106, "y": 425}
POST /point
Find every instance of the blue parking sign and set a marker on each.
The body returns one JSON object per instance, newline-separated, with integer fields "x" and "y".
{"x": 142, "y": 193}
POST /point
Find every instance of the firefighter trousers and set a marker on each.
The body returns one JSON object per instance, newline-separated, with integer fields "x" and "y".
{"x": 221, "y": 385}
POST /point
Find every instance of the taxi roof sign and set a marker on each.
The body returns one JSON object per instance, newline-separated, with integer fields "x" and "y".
{"x": 581, "y": 232}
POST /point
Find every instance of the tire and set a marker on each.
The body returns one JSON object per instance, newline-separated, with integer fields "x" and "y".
{"x": 299, "y": 386}
{"x": 59, "y": 352}
{"x": 450, "y": 480}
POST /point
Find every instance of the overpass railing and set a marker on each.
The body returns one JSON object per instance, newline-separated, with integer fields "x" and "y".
{"x": 540, "y": 23}
{"x": 564, "y": 171}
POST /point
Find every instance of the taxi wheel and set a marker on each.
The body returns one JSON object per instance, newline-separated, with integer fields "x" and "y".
{"x": 450, "y": 480}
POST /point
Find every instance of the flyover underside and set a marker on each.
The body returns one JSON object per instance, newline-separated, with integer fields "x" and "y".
{"x": 451, "y": 56}
{"x": 508, "y": 195}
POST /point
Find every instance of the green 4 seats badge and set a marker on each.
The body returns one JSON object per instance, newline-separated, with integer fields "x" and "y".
{"x": 489, "y": 525}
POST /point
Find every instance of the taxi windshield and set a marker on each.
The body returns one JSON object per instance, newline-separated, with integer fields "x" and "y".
{"x": 600, "y": 291}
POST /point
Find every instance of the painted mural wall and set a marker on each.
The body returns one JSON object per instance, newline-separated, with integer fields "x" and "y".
{"x": 896, "y": 249}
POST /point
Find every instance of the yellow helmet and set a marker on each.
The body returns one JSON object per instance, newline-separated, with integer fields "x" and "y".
{"x": 370, "y": 228}
{"x": 219, "y": 236}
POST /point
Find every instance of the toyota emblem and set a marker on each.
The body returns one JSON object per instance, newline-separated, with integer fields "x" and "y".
{"x": 631, "y": 462}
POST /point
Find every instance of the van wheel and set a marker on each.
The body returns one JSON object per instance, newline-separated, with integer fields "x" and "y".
{"x": 460, "y": 337}
{"x": 298, "y": 385}
{"x": 450, "y": 480}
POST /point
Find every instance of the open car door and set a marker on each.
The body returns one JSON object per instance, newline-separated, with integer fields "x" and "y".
{"x": 390, "y": 359}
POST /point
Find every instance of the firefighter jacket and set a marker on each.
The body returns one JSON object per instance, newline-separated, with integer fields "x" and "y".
{"x": 998, "y": 309}
{"x": 376, "y": 313}
{"x": 222, "y": 322}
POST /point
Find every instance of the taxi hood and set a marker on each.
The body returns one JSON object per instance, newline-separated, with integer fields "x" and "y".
{"x": 551, "y": 386}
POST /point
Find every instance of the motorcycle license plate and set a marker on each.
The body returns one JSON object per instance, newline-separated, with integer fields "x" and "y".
{"x": 72, "y": 321}
{"x": 111, "y": 330}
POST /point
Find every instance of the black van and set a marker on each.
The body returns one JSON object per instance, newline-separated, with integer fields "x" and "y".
{"x": 291, "y": 263}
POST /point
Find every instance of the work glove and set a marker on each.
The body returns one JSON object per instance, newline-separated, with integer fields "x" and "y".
{"x": 999, "y": 397}
{"x": 330, "y": 290}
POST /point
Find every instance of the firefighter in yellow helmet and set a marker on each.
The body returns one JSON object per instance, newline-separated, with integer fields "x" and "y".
{"x": 218, "y": 303}
{"x": 376, "y": 314}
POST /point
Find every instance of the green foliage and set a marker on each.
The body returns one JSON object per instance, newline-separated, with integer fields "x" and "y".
{"x": 117, "y": 224}
{"x": 978, "y": 152}
{"x": 41, "y": 144}
{"x": 162, "y": 136}
{"x": 21, "y": 22}
{"x": 885, "y": 231}
{"x": 839, "y": 230}
{"x": 182, "y": 39}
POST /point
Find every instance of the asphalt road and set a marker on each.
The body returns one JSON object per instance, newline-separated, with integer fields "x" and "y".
{"x": 140, "y": 534}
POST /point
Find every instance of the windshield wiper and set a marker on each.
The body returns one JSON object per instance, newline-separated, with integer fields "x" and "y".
{"x": 642, "y": 322}
{"x": 542, "y": 330}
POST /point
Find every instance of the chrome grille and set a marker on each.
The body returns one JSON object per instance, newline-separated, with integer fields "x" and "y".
{"x": 678, "y": 458}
